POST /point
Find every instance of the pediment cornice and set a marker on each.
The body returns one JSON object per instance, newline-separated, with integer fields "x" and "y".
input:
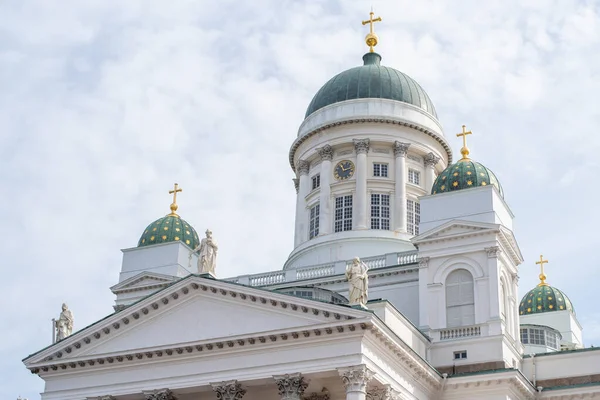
{"x": 335, "y": 319}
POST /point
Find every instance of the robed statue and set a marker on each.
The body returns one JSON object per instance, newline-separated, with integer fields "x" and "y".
{"x": 207, "y": 254}
{"x": 64, "y": 324}
{"x": 358, "y": 280}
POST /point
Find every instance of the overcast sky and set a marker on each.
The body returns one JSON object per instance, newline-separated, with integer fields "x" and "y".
{"x": 104, "y": 104}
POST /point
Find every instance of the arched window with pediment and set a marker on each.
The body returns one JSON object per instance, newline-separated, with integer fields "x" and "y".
{"x": 460, "y": 299}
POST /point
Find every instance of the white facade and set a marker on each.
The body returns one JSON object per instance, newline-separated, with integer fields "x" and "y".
{"x": 442, "y": 321}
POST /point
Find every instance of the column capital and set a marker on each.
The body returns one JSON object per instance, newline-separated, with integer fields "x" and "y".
{"x": 431, "y": 160}
{"x": 296, "y": 184}
{"x": 423, "y": 262}
{"x": 400, "y": 149}
{"x": 324, "y": 395}
{"x": 303, "y": 167}
{"x": 493, "y": 252}
{"x": 355, "y": 378}
{"x": 291, "y": 386}
{"x": 361, "y": 145}
{"x": 383, "y": 393}
{"x": 228, "y": 390}
{"x": 326, "y": 153}
{"x": 160, "y": 394}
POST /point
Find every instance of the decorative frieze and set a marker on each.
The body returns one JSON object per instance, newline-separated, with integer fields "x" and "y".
{"x": 415, "y": 158}
{"x": 400, "y": 149}
{"x": 355, "y": 378}
{"x": 107, "y": 397}
{"x": 326, "y": 153}
{"x": 344, "y": 152}
{"x": 291, "y": 386}
{"x": 228, "y": 390}
{"x": 361, "y": 146}
{"x": 381, "y": 151}
{"x": 303, "y": 167}
{"x": 162, "y": 394}
{"x": 431, "y": 160}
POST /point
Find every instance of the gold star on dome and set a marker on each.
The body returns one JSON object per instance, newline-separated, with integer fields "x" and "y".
{"x": 455, "y": 184}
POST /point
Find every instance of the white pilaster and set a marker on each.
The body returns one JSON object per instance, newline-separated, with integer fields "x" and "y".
{"x": 494, "y": 282}
{"x": 300, "y": 234}
{"x": 291, "y": 386}
{"x": 326, "y": 154}
{"x": 400, "y": 150}
{"x": 355, "y": 381}
{"x": 430, "y": 161}
{"x": 360, "y": 205}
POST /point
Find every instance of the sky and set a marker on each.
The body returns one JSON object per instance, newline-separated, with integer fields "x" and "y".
{"x": 104, "y": 104}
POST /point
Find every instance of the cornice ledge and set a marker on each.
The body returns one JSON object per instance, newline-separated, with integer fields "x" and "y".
{"x": 320, "y": 330}
{"x": 418, "y": 367}
{"x": 321, "y": 128}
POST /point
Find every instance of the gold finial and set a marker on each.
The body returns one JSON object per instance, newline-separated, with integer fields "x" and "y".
{"x": 542, "y": 275}
{"x": 371, "y": 37}
{"x": 465, "y": 150}
{"x": 176, "y": 189}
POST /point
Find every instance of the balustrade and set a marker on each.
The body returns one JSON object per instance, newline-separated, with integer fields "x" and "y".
{"x": 459, "y": 333}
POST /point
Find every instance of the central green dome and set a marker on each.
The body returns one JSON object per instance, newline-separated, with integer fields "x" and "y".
{"x": 371, "y": 81}
{"x": 170, "y": 228}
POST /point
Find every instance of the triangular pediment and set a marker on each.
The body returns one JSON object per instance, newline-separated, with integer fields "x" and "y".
{"x": 197, "y": 311}
{"x": 455, "y": 229}
{"x": 143, "y": 280}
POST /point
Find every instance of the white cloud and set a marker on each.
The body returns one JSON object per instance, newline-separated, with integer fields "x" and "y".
{"x": 104, "y": 104}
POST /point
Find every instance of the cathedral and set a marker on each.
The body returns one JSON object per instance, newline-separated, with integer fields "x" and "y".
{"x": 402, "y": 282}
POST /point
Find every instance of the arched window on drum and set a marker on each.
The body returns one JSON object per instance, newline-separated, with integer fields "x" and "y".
{"x": 460, "y": 299}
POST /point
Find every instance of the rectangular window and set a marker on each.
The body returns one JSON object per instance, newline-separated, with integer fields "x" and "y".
{"x": 380, "y": 170}
{"x": 316, "y": 181}
{"x": 314, "y": 221}
{"x": 413, "y": 216}
{"x": 460, "y": 355}
{"x": 380, "y": 211}
{"x": 414, "y": 177}
{"x": 343, "y": 213}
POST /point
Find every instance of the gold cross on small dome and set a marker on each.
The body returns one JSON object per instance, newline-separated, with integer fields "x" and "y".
{"x": 465, "y": 150}
{"x": 372, "y": 39}
{"x": 542, "y": 275}
{"x": 176, "y": 189}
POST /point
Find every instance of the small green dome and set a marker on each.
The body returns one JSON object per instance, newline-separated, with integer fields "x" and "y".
{"x": 465, "y": 174}
{"x": 371, "y": 81}
{"x": 170, "y": 228}
{"x": 544, "y": 298}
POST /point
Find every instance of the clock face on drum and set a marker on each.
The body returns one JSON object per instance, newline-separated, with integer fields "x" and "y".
{"x": 343, "y": 170}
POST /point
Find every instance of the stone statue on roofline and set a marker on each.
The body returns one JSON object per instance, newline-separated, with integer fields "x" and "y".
{"x": 207, "y": 254}
{"x": 358, "y": 280}
{"x": 64, "y": 325}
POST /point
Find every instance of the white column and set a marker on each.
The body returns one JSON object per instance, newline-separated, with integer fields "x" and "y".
{"x": 430, "y": 161}
{"x": 355, "y": 381}
{"x": 360, "y": 203}
{"x": 291, "y": 386}
{"x": 494, "y": 282}
{"x": 301, "y": 233}
{"x": 326, "y": 154}
{"x": 228, "y": 390}
{"x": 400, "y": 150}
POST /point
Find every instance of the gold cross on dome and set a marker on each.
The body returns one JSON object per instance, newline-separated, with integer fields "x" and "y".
{"x": 371, "y": 37}
{"x": 176, "y": 189}
{"x": 465, "y": 150}
{"x": 542, "y": 275}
